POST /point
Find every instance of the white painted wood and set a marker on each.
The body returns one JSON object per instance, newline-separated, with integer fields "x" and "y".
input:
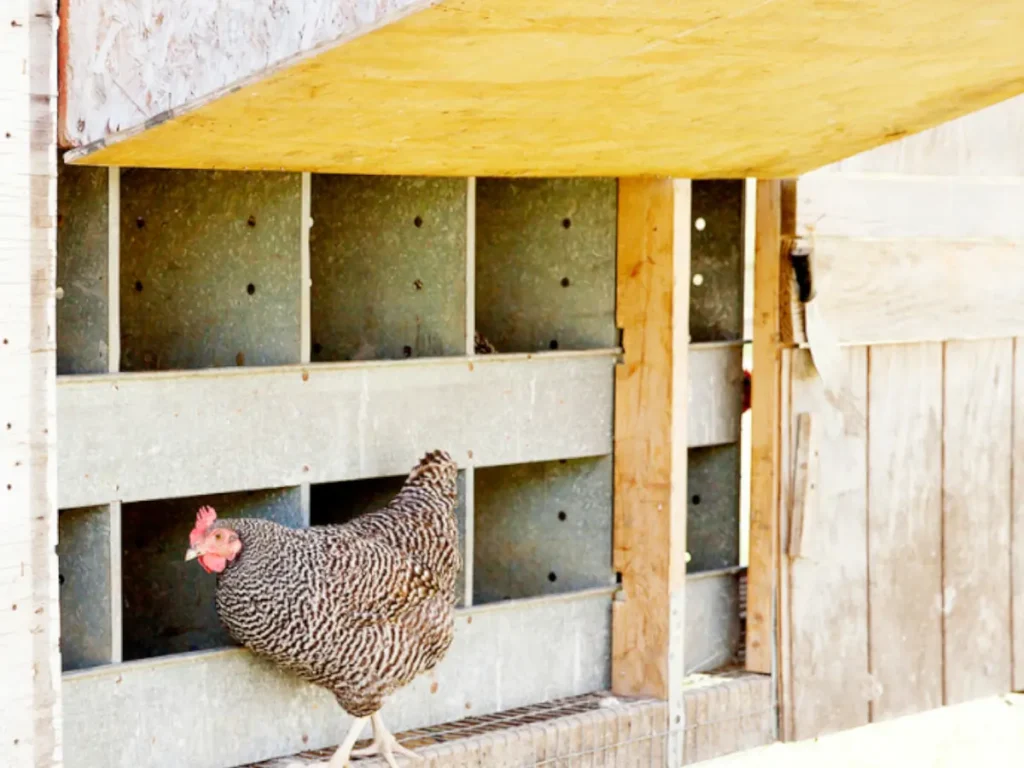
{"x": 868, "y": 206}
{"x": 989, "y": 142}
{"x": 471, "y": 266}
{"x": 30, "y": 695}
{"x": 682, "y": 227}
{"x": 903, "y": 290}
{"x": 160, "y": 435}
{"x": 715, "y": 396}
{"x": 229, "y": 708}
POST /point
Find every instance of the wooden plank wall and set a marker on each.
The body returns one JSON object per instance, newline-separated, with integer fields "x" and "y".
{"x": 905, "y": 590}
{"x": 30, "y": 683}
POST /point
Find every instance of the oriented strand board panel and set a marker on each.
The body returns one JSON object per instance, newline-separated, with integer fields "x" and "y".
{"x": 827, "y": 672}
{"x": 210, "y": 269}
{"x": 545, "y": 263}
{"x": 541, "y": 87}
{"x": 905, "y": 528}
{"x": 388, "y": 265}
{"x": 261, "y": 712}
{"x": 976, "y": 518}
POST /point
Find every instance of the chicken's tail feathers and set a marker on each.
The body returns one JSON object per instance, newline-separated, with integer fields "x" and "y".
{"x": 435, "y": 468}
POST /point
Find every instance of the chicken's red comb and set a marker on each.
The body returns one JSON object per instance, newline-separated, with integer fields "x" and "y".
{"x": 204, "y": 520}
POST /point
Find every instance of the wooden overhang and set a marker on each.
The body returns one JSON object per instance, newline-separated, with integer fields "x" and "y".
{"x": 694, "y": 88}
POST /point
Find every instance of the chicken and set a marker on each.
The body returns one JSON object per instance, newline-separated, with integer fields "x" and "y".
{"x": 359, "y": 608}
{"x": 746, "y": 390}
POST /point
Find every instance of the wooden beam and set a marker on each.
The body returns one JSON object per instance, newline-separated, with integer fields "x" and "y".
{"x": 650, "y": 439}
{"x": 530, "y": 87}
{"x": 775, "y": 222}
{"x": 30, "y": 690}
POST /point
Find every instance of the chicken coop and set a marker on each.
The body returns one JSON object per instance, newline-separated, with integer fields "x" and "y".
{"x": 249, "y": 258}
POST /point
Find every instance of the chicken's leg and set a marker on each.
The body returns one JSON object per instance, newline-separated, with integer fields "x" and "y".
{"x": 340, "y": 758}
{"x": 384, "y": 744}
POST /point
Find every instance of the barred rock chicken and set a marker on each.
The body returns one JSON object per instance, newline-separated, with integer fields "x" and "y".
{"x": 359, "y": 608}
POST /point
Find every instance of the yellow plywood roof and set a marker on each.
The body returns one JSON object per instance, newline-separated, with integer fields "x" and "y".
{"x": 702, "y": 88}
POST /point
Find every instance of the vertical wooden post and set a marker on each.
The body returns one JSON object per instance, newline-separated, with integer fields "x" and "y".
{"x": 775, "y": 210}
{"x": 29, "y": 608}
{"x": 650, "y": 444}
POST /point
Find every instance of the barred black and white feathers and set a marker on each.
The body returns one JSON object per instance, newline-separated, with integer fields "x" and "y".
{"x": 359, "y": 608}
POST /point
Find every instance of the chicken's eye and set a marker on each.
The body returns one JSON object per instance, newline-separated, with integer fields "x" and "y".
{"x": 218, "y": 536}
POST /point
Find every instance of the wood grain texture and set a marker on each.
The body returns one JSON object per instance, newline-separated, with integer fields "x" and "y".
{"x": 30, "y": 663}
{"x": 1017, "y": 522}
{"x": 905, "y": 528}
{"x": 902, "y": 290}
{"x": 828, "y": 611}
{"x": 976, "y": 518}
{"x": 567, "y": 88}
{"x": 774, "y": 211}
{"x": 650, "y": 454}
{"x": 887, "y": 206}
{"x": 989, "y": 142}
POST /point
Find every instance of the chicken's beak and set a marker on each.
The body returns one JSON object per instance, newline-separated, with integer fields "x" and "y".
{"x": 192, "y": 554}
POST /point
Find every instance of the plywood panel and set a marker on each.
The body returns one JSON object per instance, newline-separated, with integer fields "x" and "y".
{"x": 920, "y": 207}
{"x": 570, "y": 87}
{"x": 905, "y": 528}
{"x": 900, "y": 290}
{"x": 166, "y": 435}
{"x": 828, "y": 587}
{"x": 1017, "y": 522}
{"x": 976, "y": 518}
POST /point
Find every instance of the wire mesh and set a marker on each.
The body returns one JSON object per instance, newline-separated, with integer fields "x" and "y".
{"x": 592, "y": 731}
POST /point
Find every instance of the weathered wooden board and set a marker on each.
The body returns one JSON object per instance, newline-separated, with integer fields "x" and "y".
{"x": 529, "y": 87}
{"x": 244, "y": 710}
{"x": 976, "y": 518}
{"x": 30, "y": 727}
{"x": 1017, "y": 523}
{"x": 650, "y": 434}
{"x": 168, "y": 435}
{"x": 882, "y": 207}
{"x": 828, "y": 588}
{"x": 989, "y": 142}
{"x": 903, "y": 290}
{"x": 774, "y": 209}
{"x": 905, "y": 528}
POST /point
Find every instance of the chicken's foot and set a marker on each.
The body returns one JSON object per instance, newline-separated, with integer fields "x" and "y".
{"x": 341, "y": 757}
{"x": 384, "y": 744}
